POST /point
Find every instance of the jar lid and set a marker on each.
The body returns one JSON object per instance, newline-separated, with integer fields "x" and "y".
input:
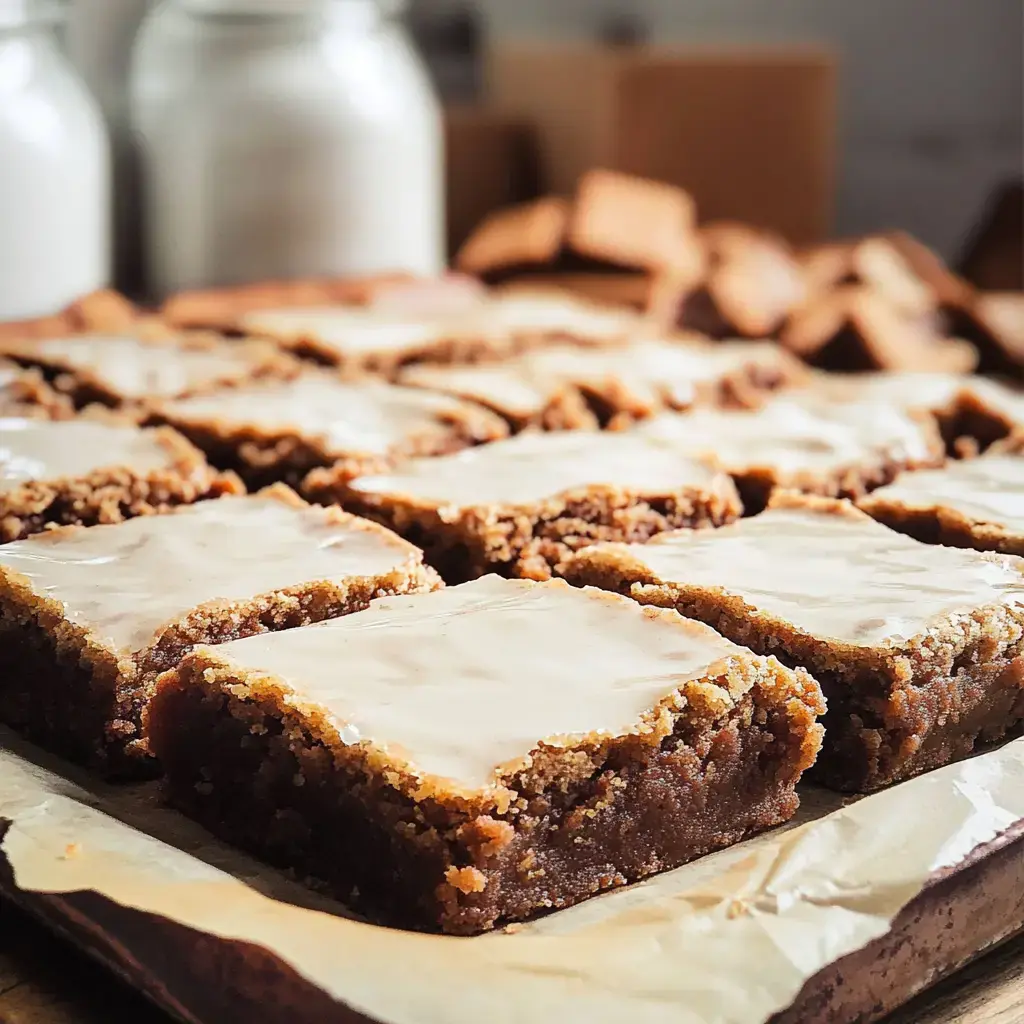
{"x": 19, "y": 13}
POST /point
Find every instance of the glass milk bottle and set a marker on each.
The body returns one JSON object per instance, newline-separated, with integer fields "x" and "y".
{"x": 54, "y": 170}
{"x": 284, "y": 139}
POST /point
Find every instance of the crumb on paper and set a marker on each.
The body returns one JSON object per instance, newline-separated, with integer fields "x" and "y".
{"x": 737, "y": 908}
{"x": 71, "y": 851}
{"x": 512, "y": 929}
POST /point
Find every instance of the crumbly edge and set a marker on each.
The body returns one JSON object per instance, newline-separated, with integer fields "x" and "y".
{"x": 28, "y": 396}
{"x": 82, "y": 386}
{"x": 534, "y": 541}
{"x": 114, "y": 494}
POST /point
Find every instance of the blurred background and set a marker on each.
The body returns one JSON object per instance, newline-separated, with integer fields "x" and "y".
{"x": 927, "y": 100}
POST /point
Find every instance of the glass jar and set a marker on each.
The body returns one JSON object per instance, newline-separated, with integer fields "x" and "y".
{"x": 100, "y": 35}
{"x": 284, "y": 139}
{"x": 54, "y": 170}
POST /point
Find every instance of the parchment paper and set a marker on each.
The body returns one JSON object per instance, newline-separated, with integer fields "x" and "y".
{"x": 730, "y": 939}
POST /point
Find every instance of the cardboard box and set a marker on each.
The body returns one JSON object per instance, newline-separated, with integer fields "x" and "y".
{"x": 492, "y": 162}
{"x": 750, "y": 133}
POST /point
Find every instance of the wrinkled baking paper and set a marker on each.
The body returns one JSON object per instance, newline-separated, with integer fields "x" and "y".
{"x": 730, "y": 939}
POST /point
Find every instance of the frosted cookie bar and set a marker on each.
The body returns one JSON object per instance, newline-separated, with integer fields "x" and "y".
{"x": 521, "y": 507}
{"x": 435, "y": 762}
{"x": 381, "y": 340}
{"x": 544, "y": 387}
{"x": 84, "y": 472}
{"x": 118, "y": 370}
{"x": 280, "y": 430}
{"x": 978, "y": 503}
{"x": 24, "y": 393}
{"x": 90, "y": 617}
{"x": 919, "y": 649}
{"x": 805, "y": 442}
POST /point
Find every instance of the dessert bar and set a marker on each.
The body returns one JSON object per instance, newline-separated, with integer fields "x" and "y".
{"x": 919, "y": 649}
{"x": 384, "y": 340}
{"x": 117, "y": 370}
{"x": 521, "y": 507}
{"x": 977, "y": 503}
{"x": 84, "y": 472}
{"x": 279, "y": 430}
{"x": 90, "y": 617}
{"x": 807, "y": 442}
{"x": 477, "y": 755}
{"x": 545, "y": 387}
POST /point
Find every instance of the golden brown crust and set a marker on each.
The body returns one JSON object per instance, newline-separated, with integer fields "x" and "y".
{"x": 105, "y": 310}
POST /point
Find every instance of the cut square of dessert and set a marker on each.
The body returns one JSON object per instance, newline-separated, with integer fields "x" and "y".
{"x": 805, "y": 441}
{"x": 919, "y": 649}
{"x": 571, "y": 386}
{"x": 521, "y": 507}
{"x": 481, "y": 754}
{"x": 273, "y": 431}
{"x": 85, "y": 472}
{"x": 118, "y": 370}
{"x": 90, "y": 617}
{"x": 976, "y": 503}
{"x": 383, "y": 340}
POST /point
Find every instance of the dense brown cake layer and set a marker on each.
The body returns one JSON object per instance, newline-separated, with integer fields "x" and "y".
{"x": 521, "y": 507}
{"x": 919, "y": 649}
{"x": 90, "y": 617}
{"x": 433, "y": 763}
{"x": 278, "y": 431}
{"x": 85, "y": 472}
{"x": 118, "y": 370}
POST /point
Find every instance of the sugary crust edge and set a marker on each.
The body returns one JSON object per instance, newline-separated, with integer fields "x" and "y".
{"x": 554, "y": 761}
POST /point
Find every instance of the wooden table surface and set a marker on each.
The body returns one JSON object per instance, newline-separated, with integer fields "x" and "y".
{"x": 43, "y": 981}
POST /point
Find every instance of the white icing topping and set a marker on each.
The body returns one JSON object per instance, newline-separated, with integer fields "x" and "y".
{"x": 532, "y": 467}
{"x": 367, "y": 417}
{"x": 449, "y": 680}
{"x": 834, "y": 577}
{"x": 41, "y": 450}
{"x": 125, "y": 582}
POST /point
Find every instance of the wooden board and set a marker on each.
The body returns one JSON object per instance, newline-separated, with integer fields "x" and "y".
{"x": 202, "y": 980}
